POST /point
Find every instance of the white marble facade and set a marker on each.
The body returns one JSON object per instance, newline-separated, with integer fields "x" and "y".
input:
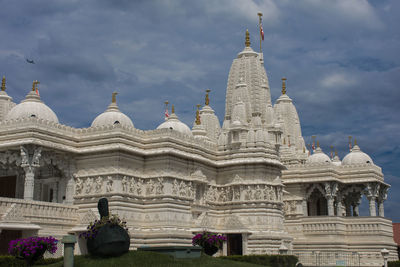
{"x": 253, "y": 176}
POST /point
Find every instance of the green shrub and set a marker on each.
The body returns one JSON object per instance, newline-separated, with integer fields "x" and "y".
{"x": 11, "y": 261}
{"x": 266, "y": 260}
{"x": 394, "y": 264}
{"x": 48, "y": 261}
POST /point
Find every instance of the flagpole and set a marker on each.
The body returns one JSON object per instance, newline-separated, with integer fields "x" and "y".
{"x": 259, "y": 28}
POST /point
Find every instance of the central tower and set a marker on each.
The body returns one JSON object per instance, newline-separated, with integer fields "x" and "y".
{"x": 249, "y": 115}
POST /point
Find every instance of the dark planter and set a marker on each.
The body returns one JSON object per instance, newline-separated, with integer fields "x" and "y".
{"x": 210, "y": 249}
{"x": 110, "y": 241}
{"x": 37, "y": 256}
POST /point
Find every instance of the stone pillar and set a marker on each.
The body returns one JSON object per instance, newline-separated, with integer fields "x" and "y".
{"x": 381, "y": 198}
{"x": 331, "y": 190}
{"x": 304, "y": 205}
{"x": 225, "y": 248}
{"x": 372, "y": 206}
{"x": 381, "y": 210}
{"x": 331, "y": 211}
{"x": 29, "y": 184}
{"x": 29, "y": 164}
{"x": 356, "y": 211}
{"x": 55, "y": 193}
{"x": 69, "y": 246}
{"x": 339, "y": 207}
{"x": 70, "y": 189}
{"x": 348, "y": 207}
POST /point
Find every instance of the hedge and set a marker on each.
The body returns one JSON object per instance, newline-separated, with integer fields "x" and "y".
{"x": 394, "y": 264}
{"x": 266, "y": 260}
{"x": 11, "y": 261}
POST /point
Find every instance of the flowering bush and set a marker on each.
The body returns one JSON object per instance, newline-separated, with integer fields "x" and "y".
{"x": 209, "y": 239}
{"x": 93, "y": 227}
{"x": 32, "y": 248}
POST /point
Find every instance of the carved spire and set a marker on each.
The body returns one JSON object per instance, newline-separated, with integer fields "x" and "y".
{"x": 114, "y": 98}
{"x": 172, "y": 109}
{"x": 207, "y": 102}
{"x": 198, "y": 122}
{"x": 247, "y": 42}
{"x": 355, "y": 141}
{"x": 3, "y": 84}
{"x": 283, "y": 85}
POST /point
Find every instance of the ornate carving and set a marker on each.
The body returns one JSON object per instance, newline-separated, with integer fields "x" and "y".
{"x": 78, "y": 186}
{"x": 98, "y": 185}
{"x": 88, "y": 185}
{"x": 150, "y": 187}
{"x": 182, "y": 189}
{"x": 109, "y": 184}
{"x": 124, "y": 183}
{"x": 160, "y": 186}
{"x": 175, "y": 187}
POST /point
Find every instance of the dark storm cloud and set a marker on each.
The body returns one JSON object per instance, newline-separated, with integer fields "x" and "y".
{"x": 340, "y": 57}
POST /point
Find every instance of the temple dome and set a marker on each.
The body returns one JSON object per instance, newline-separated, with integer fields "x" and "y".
{"x": 32, "y": 106}
{"x": 356, "y": 156}
{"x": 318, "y": 157}
{"x": 174, "y": 123}
{"x": 112, "y": 116}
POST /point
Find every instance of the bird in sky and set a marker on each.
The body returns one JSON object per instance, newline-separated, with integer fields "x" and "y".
{"x": 30, "y": 61}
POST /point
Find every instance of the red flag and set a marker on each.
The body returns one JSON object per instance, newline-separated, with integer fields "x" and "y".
{"x": 37, "y": 92}
{"x": 262, "y": 32}
{"x": 166, "y": 113}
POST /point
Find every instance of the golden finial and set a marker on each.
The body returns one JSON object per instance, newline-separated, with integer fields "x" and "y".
{"x": 355, "y": 141}
{"x": 335, "y": 152}
{"x": 207, "y": 97}
{"x": 3, "y": 83}
{"x": 283, "y": 85}
{"x": 172, "y": 109}
{"x": 113, "y": 98}
{"x": 317, "y": 143}
{"x": 34, "y": 85}
{"x": 247, "y": 43}
{"x": 198, "y": 122}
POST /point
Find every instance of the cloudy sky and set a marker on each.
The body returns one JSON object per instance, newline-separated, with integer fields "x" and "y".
{"x": 341, "y": 59}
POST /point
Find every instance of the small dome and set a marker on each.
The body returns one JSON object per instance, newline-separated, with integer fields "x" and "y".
{"x": 174, "y": 123}
{"x": 32, "y": 106}
{"x": 356, "y": 156}
{"x": 112, "y": 116}
{"x": 318, "y": 157}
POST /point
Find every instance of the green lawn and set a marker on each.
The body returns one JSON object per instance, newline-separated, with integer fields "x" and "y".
{"x": 145, "y": 258}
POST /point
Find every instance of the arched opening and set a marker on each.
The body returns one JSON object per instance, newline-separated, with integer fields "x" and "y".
{"x": 317, "y": 204}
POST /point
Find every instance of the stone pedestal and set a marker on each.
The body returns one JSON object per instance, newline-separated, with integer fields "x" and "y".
{"x": 69, "y": 245}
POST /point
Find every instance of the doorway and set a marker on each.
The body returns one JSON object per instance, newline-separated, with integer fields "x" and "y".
{"x": 234, "y": 244}
{"x": 7, "y": 186}
{"x": 5, "y": 237}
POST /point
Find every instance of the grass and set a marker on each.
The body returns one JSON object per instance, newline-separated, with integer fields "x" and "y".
{"x": 151, "y": 259}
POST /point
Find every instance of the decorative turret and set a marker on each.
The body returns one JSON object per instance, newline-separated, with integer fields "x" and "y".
{"x": 6, "y": 103}
{"x": 248, "y": 112}
{"x": 173, "y": 123}
{"x": 286, "y": 111}
{"x": 198, "y": 130}
{"x": 32, "y": 107}
{"x": 209, "y": 120}
{"x": 112, "y": 116}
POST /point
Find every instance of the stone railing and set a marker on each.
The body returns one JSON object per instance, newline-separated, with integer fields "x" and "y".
{"x": 37, "y": 212}
{"x": 346, "y": 225}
